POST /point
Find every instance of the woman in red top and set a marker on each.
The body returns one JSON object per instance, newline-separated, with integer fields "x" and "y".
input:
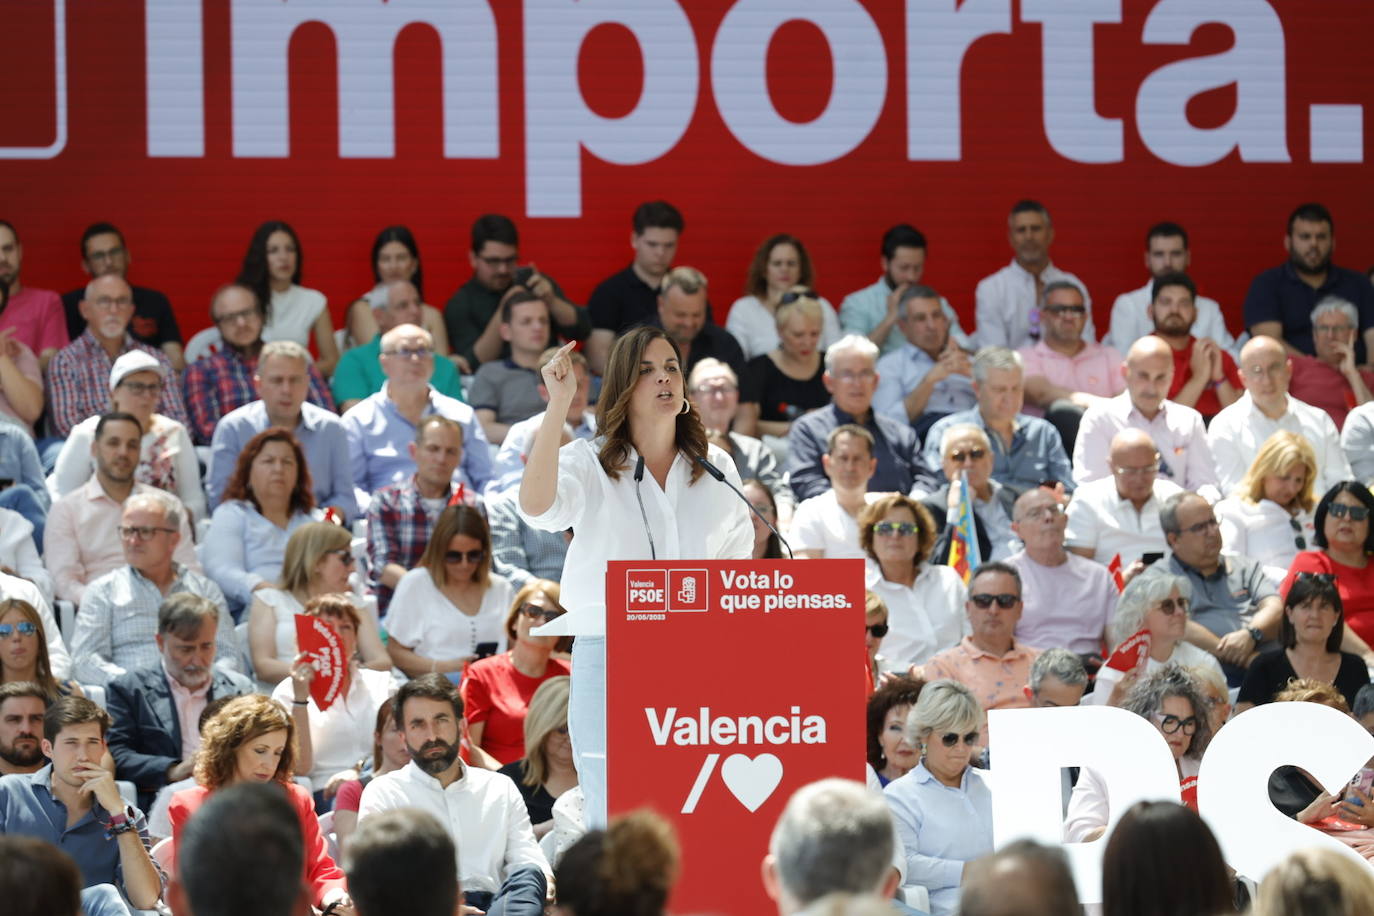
{"x": 1346, "y": 537}
{"x": 252, "y": 739}
{"x": 497, "y": 690}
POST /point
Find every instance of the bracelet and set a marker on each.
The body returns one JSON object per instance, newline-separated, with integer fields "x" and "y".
{"x": 300, "y": 702}
{"x": 329, "y": 910}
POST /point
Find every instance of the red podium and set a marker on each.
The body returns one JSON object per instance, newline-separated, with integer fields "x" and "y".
{"x": 730, "y": 684}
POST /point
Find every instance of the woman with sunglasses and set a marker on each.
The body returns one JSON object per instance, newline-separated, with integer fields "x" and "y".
{"x": 1157, "y": 602}
{"x": 317, "y": 561}
{"x": 875, "y": 628}
{"x": 890, "y": 754}
{"x": 1344, "y": 539}
{"x": 545, "y": 769}
{"x": 1312, "y": 630}
{"x": 1269, "y": 514}
{"x": 497, "y": 690}
{"x": 943, "y": 807}
{"x": 24, "y": 650}
{"x": 925, "y": 602}
{"x": 1172, "y": 700}
{"x": 450, "y": 610}
{"x": 780, "y": 264}
{"x": 785, "y": 382}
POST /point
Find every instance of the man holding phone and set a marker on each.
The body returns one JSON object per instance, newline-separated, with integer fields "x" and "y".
{"x": 1119, "y": 515}
{"x": 473, "y": 313}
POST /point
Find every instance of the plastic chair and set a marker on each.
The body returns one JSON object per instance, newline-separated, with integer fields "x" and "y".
{"x": 202, "y": 344}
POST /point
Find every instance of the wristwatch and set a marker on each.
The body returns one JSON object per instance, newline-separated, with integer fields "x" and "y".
{"x": 1255, "y": 634}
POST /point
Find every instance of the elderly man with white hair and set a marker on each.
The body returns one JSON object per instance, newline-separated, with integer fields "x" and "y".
{"x": 1238, "y": 430}
{"x": 381, "y": 426}
{"x": 851, "y": 377}
{"x": 1026, "y": 450}
{"x": 714, "y": 389}
{"x": 1331, "y": 380}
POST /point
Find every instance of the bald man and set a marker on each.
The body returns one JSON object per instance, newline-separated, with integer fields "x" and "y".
{"x": 1266, "y": 407}
{"x": 1119, "y": 515}
{"x": 1177, "y": 431}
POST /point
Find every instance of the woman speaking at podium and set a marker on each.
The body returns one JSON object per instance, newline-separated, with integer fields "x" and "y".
{"x": 636, "y": 492}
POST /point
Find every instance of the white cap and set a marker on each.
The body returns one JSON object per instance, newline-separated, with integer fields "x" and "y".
{"x": 135, "y": 361}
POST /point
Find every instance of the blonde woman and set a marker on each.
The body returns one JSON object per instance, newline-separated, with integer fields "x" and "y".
{"x": 546, "y": 771}
{"x": 1269, "y": 516}
{"x": 785, "y": 382}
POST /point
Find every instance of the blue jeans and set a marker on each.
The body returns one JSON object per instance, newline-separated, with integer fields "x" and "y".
{"x": 21, "y": 498}
{"x": 521, "y": 894}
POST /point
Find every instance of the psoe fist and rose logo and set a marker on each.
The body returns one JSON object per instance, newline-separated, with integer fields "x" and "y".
{"x": 653, "y": 593}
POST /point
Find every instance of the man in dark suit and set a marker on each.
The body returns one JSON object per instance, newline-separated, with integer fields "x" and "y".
{"x": 156, "y": 709}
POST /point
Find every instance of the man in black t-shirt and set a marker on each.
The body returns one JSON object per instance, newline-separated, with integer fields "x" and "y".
{"x": 630, "y": 297}
{"x": 103, "y": 251}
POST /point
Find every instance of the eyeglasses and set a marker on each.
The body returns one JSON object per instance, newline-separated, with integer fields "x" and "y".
{"x": 111, "y": 303}
{"x": 1170, "y": 724}
{"x": 1210, "y": 524}
{"x": 25, "y": 628}
{"x": 1170, "y": 605}
{"x": 949, "y": 739}
{"x": 863, "y": 375}
{"x": 1341, "y": 510}
{"x": 895, "y": 529}
{"x": 142, "y": 387}
{"x": 344, "y": 554}
{"x": 472, "y": 557}
{"x": 100, "y": 257}
{"x": 1003, "y": 600}
{"x": 1262, "y": 371}
{"x": 1137, "y": 472}
{"x": 534, "y": 612}
{"x": 789, "y": 297}
{"x": 236, "y": 317}
{"x": 1299, "y": 541}
{"x": 1331, "y": 329}
{"x": 140, "y": 532}
{"x": 1322, "y": 578}
{"x": 961, "y": 456}
{"x": 410, "y": 352}
{"x": 1065, "y": 310}
{"x": 1054, "y": 510}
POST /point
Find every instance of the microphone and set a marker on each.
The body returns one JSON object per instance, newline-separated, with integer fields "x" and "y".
{"x": 718, "y": 474}
{"x": 639, "y": 477}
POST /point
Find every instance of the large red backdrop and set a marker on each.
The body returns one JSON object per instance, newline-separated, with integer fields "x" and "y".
{"x": 830, "y": 120}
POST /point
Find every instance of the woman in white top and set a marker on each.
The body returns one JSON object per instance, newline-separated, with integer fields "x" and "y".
{"x": 925, "y": 603}
{"x": 395, "y": 257}
{"x": 635, "y": 492}
{"x": 451, "y": 609}
{"x": 272, "y": 269}
{"x": 318, "y": 561}
{"x": 167, "y": 459}
{"x": 340, "y": 735}
{"x": 780, "y": 264}
{"x": 1156, "y": 601}
{"x": 1269, "y": 516}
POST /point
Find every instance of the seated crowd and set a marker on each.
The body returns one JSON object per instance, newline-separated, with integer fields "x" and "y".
{"x": 176, "y": 519}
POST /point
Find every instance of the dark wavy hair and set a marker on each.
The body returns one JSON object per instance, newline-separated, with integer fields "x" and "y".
{"x": 1355, "y": 489}
{"x": 254, "y": 273}
{"x": 896, "y": 692}
{"x": 239, "y": 487}
{"x": 1318, "y": 587}
{"x": 394, "y": 234}
{"x": 613, "y": 406}
{"x": 241, "y": 720}
{"x": 756, "y": 282}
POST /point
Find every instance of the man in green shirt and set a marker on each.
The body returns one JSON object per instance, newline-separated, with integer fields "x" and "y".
{"x": 359, "y": 373}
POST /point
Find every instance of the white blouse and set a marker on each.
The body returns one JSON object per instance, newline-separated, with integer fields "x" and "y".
{"x": 922, "y": 620}
{"x": 422, "y": 618}
{"x": 1264, "y": 532}
{"x": 293, "y": 315}
{"x": 756, "y": 328}
{"x": 700, "y": 520}
{"x": 342, "y": 734}
{"x": 1185, "y": 654}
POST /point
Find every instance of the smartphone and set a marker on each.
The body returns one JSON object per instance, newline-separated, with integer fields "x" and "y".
{"x": 1148, "y": 558}
{"x": 522, "y": 276}
{"x": 486, "y": 649}
{"x": 1364, "y": 781}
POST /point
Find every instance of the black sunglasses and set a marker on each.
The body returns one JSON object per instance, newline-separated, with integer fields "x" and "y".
{"x": 949, "y": 739}
{"x": 1341, "y": 510}
{"x": 877, "y": 630}
{"x": 793, "y": 295}
{"x": 457, "y": 556}
{"x": 533, "y": 612}
{"x": 1003, "y": 600}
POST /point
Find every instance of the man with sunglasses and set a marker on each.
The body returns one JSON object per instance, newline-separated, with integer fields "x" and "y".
{"x": 991, "y": 661}
{"x": 116, "y": 625}
{"x": 473, "y": 313}
{"x": 1235, "y": 610}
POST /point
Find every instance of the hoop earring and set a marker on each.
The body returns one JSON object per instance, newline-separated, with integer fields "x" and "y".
{"x": 686, "y": 407}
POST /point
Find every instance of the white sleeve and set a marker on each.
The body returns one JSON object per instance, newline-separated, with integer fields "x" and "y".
{"x": 576, "y": 465}
{"x": 1088, "y": 808}
{"x": 189, "y": 487}
{"x": 74, "y": 463}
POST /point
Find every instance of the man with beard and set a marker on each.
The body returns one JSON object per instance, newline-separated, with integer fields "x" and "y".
{"x": 224, "y": 380}
{"x": 33, "y": 316}
{"x": 682, "y": 312}
{"x": 156, "y": 708}
{"x": 1205, "y": 375}
{"x": 501, "y": 868}
{"x": 22, "y": 704}
{"x": 1281, "y": 299}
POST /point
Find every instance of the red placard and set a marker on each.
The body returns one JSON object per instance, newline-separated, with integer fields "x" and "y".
{"x": 727, "y": 690}
{"x": 1131, "y": 653}
{"x": 321, "y": 642}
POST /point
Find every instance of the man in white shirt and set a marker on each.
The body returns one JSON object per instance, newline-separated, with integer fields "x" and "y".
{"x": 1357, "y": 439}
{"x": 1239, "y": 430}
{"x": 872, "y": 311}
{"x": 1067, "y": 600}
{"x": 500, "y": 866}
{"x": 1118, "y": 516}
{"x": 1166, "y": 252}
{"x": 929, "y": 377}
{"x": 1177, "y": 431}
{"x": 827, "y": 525}
{"x": 1008, "y": 302}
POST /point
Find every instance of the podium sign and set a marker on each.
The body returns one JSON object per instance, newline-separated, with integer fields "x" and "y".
{"x": 730, "y": 685}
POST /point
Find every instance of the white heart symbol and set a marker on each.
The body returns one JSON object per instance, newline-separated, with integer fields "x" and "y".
{"x": 751, "y": 781}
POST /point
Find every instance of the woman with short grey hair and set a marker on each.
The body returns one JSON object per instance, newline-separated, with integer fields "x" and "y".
{"x": 943, "y": 808}
{"x": 1155, "y": 601}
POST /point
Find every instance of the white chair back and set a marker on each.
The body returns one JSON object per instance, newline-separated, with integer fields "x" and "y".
{"x": 203, "y": 343}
